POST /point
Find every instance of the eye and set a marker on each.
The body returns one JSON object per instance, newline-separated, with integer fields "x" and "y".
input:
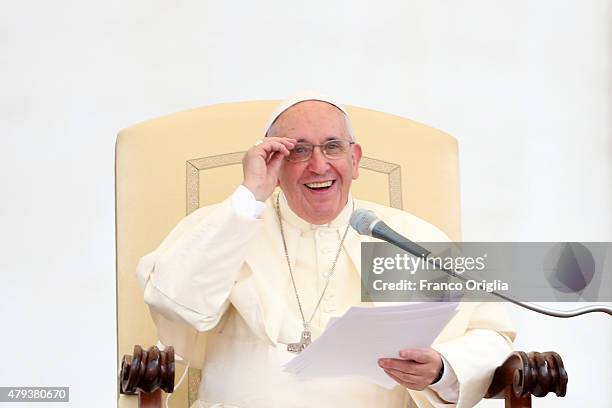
{"x": 333, "y": 146}
{"x": 300, "y": 149}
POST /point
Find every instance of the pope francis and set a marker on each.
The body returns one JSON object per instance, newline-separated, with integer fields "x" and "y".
{"x": 239, "y": 286}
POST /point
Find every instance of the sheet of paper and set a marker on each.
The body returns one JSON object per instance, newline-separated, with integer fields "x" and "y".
{"x": 352, "y": 344}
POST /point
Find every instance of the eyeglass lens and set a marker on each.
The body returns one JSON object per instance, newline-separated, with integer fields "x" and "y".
{"x": 332, "y": 149}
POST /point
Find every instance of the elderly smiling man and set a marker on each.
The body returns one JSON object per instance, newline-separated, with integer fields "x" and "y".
{"x": 238, "y": 286}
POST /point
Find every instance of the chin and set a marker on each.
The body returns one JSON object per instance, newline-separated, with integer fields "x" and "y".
{"x": 323, "y": 215}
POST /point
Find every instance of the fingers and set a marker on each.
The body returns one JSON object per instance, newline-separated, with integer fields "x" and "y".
{"x": 415, "y": 376}
{"x": 418, "y": 355}
{"x": 406, "y": 380}
{"x": 416, "y": 369}
{"x": 270, "y": 145}
{"x": 275, "y": 162}
{"x": 404, "y": 377}
{"x": 407, "y": 367}
{"x": 279, "y": 139}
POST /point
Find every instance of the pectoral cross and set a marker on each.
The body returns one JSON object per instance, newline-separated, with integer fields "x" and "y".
{"x": 304, "y": 342}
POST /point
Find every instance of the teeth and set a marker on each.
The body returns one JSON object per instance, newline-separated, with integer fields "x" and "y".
{"x": 319, "y": 185}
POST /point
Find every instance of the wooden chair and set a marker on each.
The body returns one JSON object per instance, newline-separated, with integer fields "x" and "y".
{"x": 170, "y": 166}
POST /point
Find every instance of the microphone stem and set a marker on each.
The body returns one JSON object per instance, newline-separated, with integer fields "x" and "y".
{"x": 531, "y": 306}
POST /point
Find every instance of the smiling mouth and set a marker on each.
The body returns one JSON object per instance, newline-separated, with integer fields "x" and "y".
{"x": 322, "y": 186}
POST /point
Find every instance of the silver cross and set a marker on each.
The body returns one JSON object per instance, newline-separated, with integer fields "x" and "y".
{"x": 304, "y": 342}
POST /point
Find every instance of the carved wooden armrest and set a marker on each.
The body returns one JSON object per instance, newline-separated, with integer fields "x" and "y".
{"x": 525, "y": 374}
{"x": 522, "y": 375}
{"x": 147, "y": 373}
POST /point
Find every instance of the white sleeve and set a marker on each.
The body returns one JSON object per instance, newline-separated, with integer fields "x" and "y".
{"x": 447, "y": 387}
{"x": 473, "y": 357}
{"x": 190, "y": 276}
{"x": 245, "y": 204}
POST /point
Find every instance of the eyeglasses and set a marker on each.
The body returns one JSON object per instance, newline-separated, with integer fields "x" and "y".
{"x": 332, "y": 149}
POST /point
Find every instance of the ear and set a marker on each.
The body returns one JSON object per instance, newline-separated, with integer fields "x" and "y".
{"x": 356, "y": 159}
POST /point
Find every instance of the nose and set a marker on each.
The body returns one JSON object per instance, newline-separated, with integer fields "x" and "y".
{"x": 318, "y": 163}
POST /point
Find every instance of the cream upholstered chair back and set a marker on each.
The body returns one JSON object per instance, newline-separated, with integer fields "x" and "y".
{"x": 168, "y": 167}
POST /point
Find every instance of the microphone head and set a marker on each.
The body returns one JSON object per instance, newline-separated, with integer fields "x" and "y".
{"x": 362, "y": 221}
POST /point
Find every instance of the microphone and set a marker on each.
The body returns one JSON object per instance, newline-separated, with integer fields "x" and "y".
{"x": 365, "y": 222}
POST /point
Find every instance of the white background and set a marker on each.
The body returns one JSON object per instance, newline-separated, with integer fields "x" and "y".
{"x": 524, "y": 86}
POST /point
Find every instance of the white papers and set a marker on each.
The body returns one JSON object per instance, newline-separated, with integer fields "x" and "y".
{"x": 352, "y": 344}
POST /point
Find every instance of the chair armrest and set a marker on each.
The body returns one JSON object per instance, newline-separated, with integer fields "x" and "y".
{"x": 146, "y": 374}
{"x": 525, "y": 374}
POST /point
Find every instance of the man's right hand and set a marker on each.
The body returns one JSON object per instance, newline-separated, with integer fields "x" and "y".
{"x": 261, "y": 164}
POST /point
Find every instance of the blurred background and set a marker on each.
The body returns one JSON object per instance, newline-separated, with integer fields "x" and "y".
{"x": 524, "y": 86}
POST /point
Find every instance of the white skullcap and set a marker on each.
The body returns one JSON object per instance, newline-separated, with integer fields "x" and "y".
{"x": 301, "y": 97}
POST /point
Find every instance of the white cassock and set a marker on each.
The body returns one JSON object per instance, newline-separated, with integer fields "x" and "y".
{"x": 219, "y": 291}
